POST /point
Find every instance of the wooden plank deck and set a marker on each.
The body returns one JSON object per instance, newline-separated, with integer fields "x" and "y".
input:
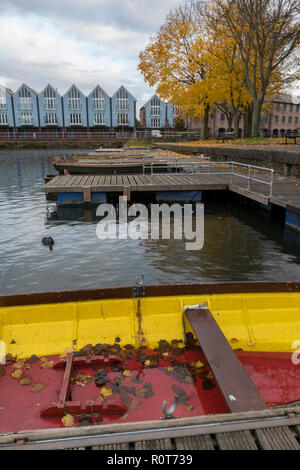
{"x": 285, "y": 191}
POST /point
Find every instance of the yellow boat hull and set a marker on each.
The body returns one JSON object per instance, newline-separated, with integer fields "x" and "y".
{"x": 267, "y": 319}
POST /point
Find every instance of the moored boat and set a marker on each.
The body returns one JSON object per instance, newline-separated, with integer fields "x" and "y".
{"x": 116, "y": 355}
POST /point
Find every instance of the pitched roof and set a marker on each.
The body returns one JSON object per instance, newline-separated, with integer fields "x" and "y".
{"x": 7, "y": 90}
{"x": 122, "y": 86}
{"x": 95, "y": 88}
{"x": 51, "y": 86}
{"x": 153, "y": 96}
{"x": 29, "y": 88}
{"x": 285, "y": 98}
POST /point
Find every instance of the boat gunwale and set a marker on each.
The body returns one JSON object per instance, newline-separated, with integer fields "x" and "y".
{"x": 163, "y": 290}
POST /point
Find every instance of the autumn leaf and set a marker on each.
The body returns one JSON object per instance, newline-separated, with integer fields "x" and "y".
{"x": 127, "y": 373}
{"x": 17, "y": 373}
{"x": 25, "y": 380}
{"x": 38, "y": 387}
{"x": 19, "y": 364}
{"x": 106, "y": 391}
{"x": 47, "y": 364}
{"x": 68, "y": 421}
{"x": 189, "y": 407}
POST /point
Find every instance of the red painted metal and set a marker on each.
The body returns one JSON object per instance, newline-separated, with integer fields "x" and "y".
{"x": 273, "y": 374}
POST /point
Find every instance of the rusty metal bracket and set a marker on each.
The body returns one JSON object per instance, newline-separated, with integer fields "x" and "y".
{"x": 139, "y": 289}
{"x": 169, "y": 413}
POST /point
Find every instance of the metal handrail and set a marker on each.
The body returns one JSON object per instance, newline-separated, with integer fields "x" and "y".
{"x": 194, "y": 166}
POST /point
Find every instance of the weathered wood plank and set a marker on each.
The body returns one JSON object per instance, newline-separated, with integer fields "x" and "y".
{"x": 236, "y": 440}
{"x": 121, "y": 446}
{"x": 154, "y": 444}
{"x": 280, "y": 438}
{"x": 195, "y": 443}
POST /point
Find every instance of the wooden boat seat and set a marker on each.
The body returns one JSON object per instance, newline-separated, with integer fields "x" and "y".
{"x": 235, "y": 384}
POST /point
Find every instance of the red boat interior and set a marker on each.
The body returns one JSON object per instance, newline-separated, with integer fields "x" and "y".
{"x": 125, "y": 385}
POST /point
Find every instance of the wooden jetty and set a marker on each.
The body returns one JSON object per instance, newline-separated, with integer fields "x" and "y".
{"x": 180, "y": 187}
{"x": 270, "y": 429}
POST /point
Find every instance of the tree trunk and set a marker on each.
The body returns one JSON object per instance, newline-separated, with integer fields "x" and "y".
{"x": 247, "y": 117}
{"x": 257, "y": 105}
{"x": 229, "y": 122}
{"x": 205, "y": 123}
{"x": 236, "y": 123}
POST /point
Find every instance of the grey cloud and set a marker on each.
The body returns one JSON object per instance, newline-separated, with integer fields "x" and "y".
{"x": 140, "y": 15}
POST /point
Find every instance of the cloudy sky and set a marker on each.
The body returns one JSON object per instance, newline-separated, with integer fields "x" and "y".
{"x": 77, "y": 41}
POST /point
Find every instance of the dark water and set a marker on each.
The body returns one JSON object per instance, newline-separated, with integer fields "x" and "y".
{"x": 240, "y": 243}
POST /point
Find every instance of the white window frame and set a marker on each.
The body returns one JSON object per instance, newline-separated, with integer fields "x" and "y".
{"x": 25, "y": 100}
{"x": 50, "y": 104}
{"x": 155, "y": 106}
{"x": 99, "y": 119}
{"x": 98, "y": 100}
{"x": 3, "y": 119}
{"x": 155, "y": 122}
{"x": 122, "y": 100}
{"x": 3, "y": 102}
{"x": 75, "y": 119}
{"x": 74, "y": 100}
{"x": 51, "y": 119}
{"x": 123, "y": 119}
{"x": 26, "y": 119}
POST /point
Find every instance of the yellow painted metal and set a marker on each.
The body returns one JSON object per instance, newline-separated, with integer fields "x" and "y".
{"x": 253, "y": 322}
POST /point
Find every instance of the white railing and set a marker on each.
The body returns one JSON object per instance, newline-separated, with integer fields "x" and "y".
{"x": 184, "y": 168}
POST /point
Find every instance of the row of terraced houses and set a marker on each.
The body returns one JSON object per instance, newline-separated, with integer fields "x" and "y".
{"x": 27, "y": 112}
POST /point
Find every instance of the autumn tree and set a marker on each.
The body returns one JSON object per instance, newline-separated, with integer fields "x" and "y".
{"x": 267, "y": 35}
{"x": 174, "y": 62}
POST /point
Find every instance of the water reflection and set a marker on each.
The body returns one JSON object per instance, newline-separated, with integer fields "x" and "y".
{"x": 240, "y": 243}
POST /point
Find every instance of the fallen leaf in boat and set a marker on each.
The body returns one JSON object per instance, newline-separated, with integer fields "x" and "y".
{"x": 43, "y": 359}
{"x": 147, "y": 363}
{"x": 9, "y": 358}
{"x": 189, "y": 380}
{"x": 25, "y": 380}
{"x": 189, "y": 407}
{"x": 127, "y": 373}
{"x": 33, "y": 359}
{"x": 234, "y": 340}
{"x": 66, "y": 352}
{"x": 47, "y": 364}
{"x": 133, "y": 405}
{"x": 85, "y": 422}
{"x": 2, "y": 371}
{"x": 19, "y": 364}
{"x": 82, "y": 379}
{"x": 141, "y": 393}
{"x": 38, "y": 387}
{"x": 68, "y": 421}
{"x": 207, "y": 384}
{"x": 199, "y": 364}
{"x": 166, "y": 355}
{"x": 17, "y": 373}
{"x": 170, "y": 369}
{"x": 106, "y": 391}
